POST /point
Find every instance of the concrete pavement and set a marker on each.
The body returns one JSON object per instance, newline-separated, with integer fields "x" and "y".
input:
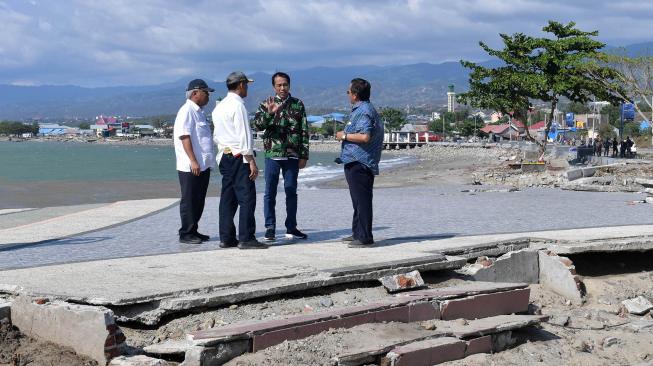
{"x": 25, "y": 226}
{"x": 411, "y": 225}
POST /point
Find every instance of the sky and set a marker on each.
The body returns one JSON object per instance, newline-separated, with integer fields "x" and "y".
{"x": 139, "y": 42}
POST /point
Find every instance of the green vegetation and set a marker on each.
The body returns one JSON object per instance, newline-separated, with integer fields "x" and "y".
{"x": 540, "y": 68}
{"x": 393, "y": 119}
{"x": 11, "y": 128}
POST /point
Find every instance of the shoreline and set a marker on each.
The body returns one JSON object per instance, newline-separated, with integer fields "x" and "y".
{"x": 429, "y": 165}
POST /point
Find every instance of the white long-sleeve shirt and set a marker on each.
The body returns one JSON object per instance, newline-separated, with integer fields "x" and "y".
{"x": 232, "y": 129}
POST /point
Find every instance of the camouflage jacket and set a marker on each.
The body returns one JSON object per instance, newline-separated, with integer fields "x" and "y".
{"x": 286, "y": 132}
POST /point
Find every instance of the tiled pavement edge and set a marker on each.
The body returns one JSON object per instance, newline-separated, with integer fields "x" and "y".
{"x": 77, "y": 222}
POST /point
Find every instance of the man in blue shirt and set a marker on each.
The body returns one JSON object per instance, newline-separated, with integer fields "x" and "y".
{"x": 362, "y": 142}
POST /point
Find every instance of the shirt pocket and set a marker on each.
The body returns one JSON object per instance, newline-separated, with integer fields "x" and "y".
{"x": 203, "y": 132}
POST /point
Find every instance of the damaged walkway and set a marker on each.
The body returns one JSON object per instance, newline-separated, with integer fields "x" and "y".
{"x": 144, "y": 289}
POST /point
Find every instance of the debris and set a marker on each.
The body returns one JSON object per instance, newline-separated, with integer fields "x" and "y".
{"x": 326, "y": 302}
{"x": 561, "y": 320}
{"x": 610, "y": 341}
{"x": 638, "y": 306}
{"x": 402, "y": 281}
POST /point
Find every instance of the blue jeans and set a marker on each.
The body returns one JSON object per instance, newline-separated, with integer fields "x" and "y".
{"x": 237, "y": 191}
{"x": 290, "y": 169}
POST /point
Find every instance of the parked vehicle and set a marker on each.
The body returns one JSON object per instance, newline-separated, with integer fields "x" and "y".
{"x": 431, "y": 137}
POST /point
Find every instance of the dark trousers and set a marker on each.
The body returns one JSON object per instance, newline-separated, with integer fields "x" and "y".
{"x": 193, "y": 195}
{"x": 361, "y": 183}
{"x": 237, "y": 191}
{"x": 290, "y": 169}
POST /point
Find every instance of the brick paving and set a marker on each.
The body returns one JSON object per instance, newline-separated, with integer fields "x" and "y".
{"x": 416, "y": 213}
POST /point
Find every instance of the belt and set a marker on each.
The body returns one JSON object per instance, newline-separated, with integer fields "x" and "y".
{"x": 228, "y": 152}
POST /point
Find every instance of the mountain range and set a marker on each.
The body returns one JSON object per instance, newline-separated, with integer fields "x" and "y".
{"x": 321, "y": 88}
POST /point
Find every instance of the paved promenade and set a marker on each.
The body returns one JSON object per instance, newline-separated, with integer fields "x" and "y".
{"x": 411, "y": 214}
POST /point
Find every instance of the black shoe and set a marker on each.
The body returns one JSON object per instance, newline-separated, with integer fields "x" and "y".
{"x": 360, "y": 244}
{"x": 190, "y": 239}
{"x": 269, "y": 234}
{"x": 252, "y": 244}
{"x": 232, "y": 244}
{"x": 202, "y": 236}
{"x": 347, "y": 239}
{"x": 295, "y": 234}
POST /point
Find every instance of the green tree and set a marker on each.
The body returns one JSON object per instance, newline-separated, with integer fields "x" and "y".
{"x": 577, "y": 108}
{"x": 440, "y": 126}
{"x": 540, "y": 68}
{"x": 631, "y": 129}
{"x": 84, "y": 125}
{"x": 613, "y": 114}
{"x": 393, "y": 119}
{"x": 607, "y": 130}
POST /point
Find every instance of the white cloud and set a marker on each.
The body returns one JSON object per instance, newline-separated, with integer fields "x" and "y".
{"x": 93, "y": 42}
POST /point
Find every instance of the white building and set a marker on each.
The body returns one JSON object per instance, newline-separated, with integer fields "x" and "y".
{"x": 451, "y": 99}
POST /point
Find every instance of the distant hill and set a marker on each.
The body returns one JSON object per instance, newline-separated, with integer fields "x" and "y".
{"x": 321, "y": 88}
{"x": 633, "y": 50}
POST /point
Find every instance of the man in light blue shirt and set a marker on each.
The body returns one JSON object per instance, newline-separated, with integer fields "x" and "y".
{"x": 362, "y": 142}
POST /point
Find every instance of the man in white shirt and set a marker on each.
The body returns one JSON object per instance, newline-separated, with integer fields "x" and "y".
{"x": 195, "y": 157}
{"x": 233, "y": 135}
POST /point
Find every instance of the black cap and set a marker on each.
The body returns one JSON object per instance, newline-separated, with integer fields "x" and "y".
{"x": 199, "y": 84}
{"x": 237, "y": 77}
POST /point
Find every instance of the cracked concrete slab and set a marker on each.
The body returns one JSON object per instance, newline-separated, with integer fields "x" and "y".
{"x": 146, "y": 288}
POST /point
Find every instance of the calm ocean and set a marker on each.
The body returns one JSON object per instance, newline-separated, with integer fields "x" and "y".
{"x": 38, "y": 174}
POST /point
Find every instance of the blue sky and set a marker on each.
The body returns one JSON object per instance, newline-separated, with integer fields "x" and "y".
{"x": 136, "y": 42}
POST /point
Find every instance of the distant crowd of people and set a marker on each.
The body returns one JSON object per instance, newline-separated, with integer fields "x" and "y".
{"x": 282, "y": 119}
{"x": 623, "y": 148}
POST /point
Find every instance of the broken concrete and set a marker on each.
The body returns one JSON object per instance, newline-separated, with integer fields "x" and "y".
{"x": 403, "y": 281}
{"x": 139, "y": 360}
{"x": 559, "y": 275}
{"x": 574, "y": 174}
{"x": 214, "y": 355}
{"x": 638, "y": 306}
{"x": 89, "y": 330}
{"x": 169, "y": 347}
{"x": 517, "y": 266}
{"x": 648, "y": 183}
{"x": 621, "y": 244}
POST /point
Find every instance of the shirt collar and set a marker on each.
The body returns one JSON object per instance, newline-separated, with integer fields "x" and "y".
{"x": 356, "y": 105}
{"x": 236, "y": 96}
{"x": 193, "y": 105}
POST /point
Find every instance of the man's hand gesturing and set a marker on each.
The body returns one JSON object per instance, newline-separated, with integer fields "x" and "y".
{"x": 272, "y": 107}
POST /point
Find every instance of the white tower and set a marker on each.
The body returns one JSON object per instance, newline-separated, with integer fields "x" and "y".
{"x": 451, "y": 99}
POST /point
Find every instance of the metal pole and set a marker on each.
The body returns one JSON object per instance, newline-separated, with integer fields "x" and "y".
{"x": 621, "y": 126}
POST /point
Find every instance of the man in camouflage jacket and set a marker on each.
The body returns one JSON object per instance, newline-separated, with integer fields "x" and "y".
{"x": 286, "y": 136}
